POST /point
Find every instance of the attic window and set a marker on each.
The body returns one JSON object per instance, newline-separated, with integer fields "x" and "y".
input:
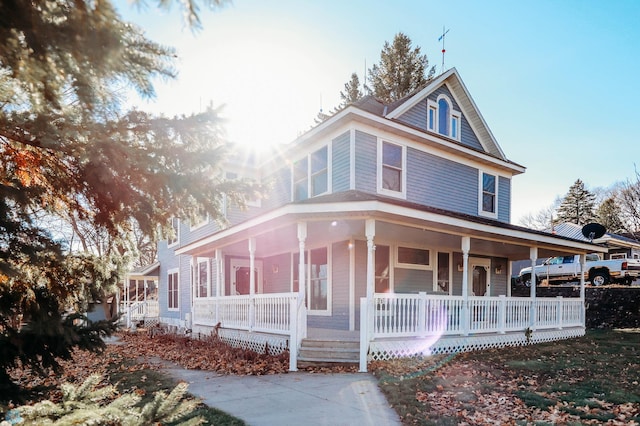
{"x": 442, "y": 118}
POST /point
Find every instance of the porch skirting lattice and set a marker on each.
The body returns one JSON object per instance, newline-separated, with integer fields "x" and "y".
{"x": 386, "y": 349}
{"x": 257, "y": 342}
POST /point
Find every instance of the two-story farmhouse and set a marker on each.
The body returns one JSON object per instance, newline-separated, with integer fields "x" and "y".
{"x": 387, "y": 226}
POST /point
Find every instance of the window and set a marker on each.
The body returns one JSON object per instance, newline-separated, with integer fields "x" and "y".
{"x": 444, "y": 273}
{"x": 391, "y": 170}
{"x": 202, "y": 277}
{"x": 413, "y": 258}
{"x": 318, "y": 283}
{"x": 311, "y": 175}
{"x": 488, "y": 195}
{"x": 382, "y": 269}
{"x": 442, "y": 118}
{"x": 173, "y": 287}
{"x": 174, "y": 235}
{"x": 319, "y": 174}
{"x": 201, "y": 218}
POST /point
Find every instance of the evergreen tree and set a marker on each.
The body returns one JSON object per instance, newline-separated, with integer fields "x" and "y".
{"x": 609, "y": 215}
{"x": 351, "y": 92}
{"x": 66, "y": 148}
{"x": 401, "y": 71}
{"x": 578, "y": 206}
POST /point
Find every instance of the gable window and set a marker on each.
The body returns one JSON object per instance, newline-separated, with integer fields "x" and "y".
{"x": 173, "y": 290}
{"x": 392, "y": 169}
{"x": 174, "y": 236}
{"x": 442, "y": 118}
{"x": 488, "y": 194}
{"x": 311, "y": 175}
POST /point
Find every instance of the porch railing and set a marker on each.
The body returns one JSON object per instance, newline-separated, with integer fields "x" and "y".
{"x": 404, "y": 315}
{"x": 276, "y": 313}
{"x": 139, "y": 311}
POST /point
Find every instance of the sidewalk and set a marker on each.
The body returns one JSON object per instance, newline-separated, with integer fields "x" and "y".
{"x": 298, "y": 398}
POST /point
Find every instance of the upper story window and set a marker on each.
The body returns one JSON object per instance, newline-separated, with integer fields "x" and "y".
{"x": 174, "y": 237}
{"x": 392, "y": 160}
{"x": 442, "y": 118}
{"x": 201, "y": 218}
{"x": 488, "y": 194}
{"x": 311, "y": 175}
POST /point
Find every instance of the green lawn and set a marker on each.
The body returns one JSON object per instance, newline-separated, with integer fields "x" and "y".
{"x": 589, "y": 380}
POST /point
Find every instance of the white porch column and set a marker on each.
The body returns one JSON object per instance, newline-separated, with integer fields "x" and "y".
{"x": 302, "y": 285}
{"x": 583, "y": 268}
{"x": 219, "y": 282}
{"x": 533, "y": 255}
{"x": 466, "y": 247}
{"x": 370, "y": 232}
{"x": 302, "y": 237}
{"x": 252, "y": 283}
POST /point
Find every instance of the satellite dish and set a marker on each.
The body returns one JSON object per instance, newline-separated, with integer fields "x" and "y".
{"x": 593, "y": 231}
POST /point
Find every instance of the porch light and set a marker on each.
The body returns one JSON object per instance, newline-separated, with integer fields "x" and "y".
{"x": 498, "y": 269}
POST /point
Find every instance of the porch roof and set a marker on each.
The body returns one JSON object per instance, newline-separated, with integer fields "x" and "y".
{"x": 340, "y": 216}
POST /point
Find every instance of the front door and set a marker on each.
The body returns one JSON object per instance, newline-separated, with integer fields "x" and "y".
{"x": 240, "y": 276}
{"x": 479, "y": 276}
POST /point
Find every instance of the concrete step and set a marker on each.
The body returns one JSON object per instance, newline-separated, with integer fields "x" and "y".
{"x": 320, "y": 351}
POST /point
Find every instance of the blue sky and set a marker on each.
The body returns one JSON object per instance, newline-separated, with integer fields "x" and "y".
{"x": 556, "y": 81}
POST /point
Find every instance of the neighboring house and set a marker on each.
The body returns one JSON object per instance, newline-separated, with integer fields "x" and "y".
{"x": 620, "y": 246}
{"x": 387, "y": 226}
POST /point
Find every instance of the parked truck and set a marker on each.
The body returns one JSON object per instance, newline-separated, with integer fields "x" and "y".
{"x": 564, "y": 269}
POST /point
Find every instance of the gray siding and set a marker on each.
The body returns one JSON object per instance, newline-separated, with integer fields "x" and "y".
{"x": 366, "y": 162}
{"x": 279, "y": 184}
{"x": 504, "y": 199}
{"x": 277, "y": 274}
{"x": 441, "y": 183}
{"x": 340, "y": 162}
{"x": 412, "y": 280}
{"x": 416, "y": 116}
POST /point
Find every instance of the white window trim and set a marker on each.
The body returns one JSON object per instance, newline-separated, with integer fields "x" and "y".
{"x": 309, "y": 174}
{"x": 398, "y": 264}
{"x": 171, "y": 272}
{"x": 325, "y": 312}
{"x": 307, "y": 279}
{"x": 194, "y": 226}
{"x": 199, "y": 261}
{"x": 481, "y": 212}
{"x": 403, "y": 175}
{"x": 434, "y": 126}
{"x": 436, "y": 287}
{"x": 177, "y": 236}
{"x": 244, "y": 263}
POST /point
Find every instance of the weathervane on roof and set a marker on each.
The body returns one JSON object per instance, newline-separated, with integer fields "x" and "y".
{"x": 441, "y": 38}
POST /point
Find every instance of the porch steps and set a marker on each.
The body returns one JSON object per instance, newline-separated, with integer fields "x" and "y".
{"x": 323, "y": 351}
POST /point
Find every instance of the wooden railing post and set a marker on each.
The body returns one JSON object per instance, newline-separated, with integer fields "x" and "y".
{"x": 560, "y": 313}
{"x": 364, "y": 334}
{"x": 502, "y": 314}
{"x": 422, "y": 313}
{"x": 293, "y": 334}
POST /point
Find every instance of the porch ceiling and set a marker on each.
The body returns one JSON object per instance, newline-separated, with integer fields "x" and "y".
{"x": 339, "y": 221}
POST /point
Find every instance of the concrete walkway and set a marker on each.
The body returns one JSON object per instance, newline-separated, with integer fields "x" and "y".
{"x": 298, "y": 398}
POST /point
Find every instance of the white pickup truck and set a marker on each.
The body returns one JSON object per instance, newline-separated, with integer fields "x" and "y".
{"x": 562, "y": 269}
